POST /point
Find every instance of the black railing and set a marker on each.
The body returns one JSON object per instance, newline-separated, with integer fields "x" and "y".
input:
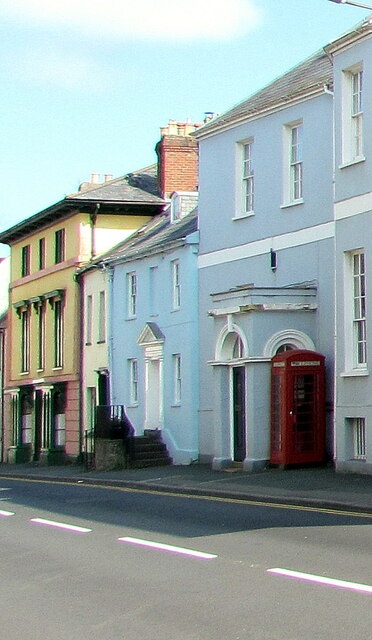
{"x": 112, "y": 423}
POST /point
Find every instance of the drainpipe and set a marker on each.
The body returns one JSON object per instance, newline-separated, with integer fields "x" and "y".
{"x": 93, "y": 220}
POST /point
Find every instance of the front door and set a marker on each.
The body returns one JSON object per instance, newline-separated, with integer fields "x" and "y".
{"x": 153, "y": 395}
{"x": 239, "y": 428}
{"x": 38, "y": 425}
{"x": 103, "y": 388}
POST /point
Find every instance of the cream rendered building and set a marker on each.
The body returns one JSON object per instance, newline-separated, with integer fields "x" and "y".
{"x": 42, "y": 389}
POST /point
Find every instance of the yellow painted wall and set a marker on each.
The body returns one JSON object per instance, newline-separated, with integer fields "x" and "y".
{"x": 110, "y": 230}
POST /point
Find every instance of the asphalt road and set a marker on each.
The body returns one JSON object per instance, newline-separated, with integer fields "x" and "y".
{"x": 135, "y": 565}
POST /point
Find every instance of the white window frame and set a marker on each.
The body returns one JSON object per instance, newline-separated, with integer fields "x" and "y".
{"x": 89, "y": 320}
{"x": 248, "y": 178}
{"x": 25, "y": 340}
{"x": 355, "y": 312}
{"x": 133, "y": 381}
{"x": 102, "y": 317}
{"x": 244, "y": 179}
{"x": 176, "y": 284}
{"x": 153, "y": 293}
{"x": 177, "y": 378}
{"x": 358, "y": 432}
{"x": 132, "y": 291}
{"x": 41, "y": 337}
{"x": 293, "y": 163}
{"x": 352, "y": 115}
{"x": 58, "y": 334}
{"x": 60, "y": 429}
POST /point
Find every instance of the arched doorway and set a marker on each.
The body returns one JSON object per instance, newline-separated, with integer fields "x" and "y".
{"x": 232, "y": 349}
{"x": 287, "y": 340}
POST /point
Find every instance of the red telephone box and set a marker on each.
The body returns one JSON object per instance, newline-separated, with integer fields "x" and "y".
{"x": 297, "y": 408}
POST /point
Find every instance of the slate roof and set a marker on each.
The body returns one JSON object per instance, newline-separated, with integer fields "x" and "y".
{"x": 156, "y": 235}
{"x": 140, "y": 186}
{"x": 312, "y": 74}
{"x": 127, "y": 194}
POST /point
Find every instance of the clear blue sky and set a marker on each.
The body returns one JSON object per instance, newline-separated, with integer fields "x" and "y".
{"x": 86, "y": 84}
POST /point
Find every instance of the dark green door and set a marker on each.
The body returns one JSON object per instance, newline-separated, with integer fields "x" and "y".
{"x": 239, "y": 413}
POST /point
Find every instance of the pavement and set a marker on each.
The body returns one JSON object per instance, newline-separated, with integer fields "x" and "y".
{"x": 319, "y": 487}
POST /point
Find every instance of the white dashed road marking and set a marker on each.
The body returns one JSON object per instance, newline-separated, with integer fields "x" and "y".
{"x": 60, "y": 525}
{"x": 6, "y": 513}
{"x": 341, "y": 584}
{"x": 168, "y": 547}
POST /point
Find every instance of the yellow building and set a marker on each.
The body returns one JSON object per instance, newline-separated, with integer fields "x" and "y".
{"x": 42, "y": 389}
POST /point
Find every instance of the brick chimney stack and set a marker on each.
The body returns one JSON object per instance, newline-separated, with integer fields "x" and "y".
{"x": 177, "y": 153}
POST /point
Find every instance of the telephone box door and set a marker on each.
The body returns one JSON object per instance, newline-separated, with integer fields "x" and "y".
{"x": 297, "y": 408}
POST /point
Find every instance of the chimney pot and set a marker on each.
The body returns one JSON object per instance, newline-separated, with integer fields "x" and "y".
{"x": 94, "y": 178}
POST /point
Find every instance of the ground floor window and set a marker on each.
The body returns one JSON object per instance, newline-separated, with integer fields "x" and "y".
{"x": 59, "y": 419}
{"x": 27, "y": 419}
{"x": 358, "y": 430}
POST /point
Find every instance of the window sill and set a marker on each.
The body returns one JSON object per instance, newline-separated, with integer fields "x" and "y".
{"x": 355, "y": 373}
{"x": 132, "y": 405}
{"x": 24, "y": 373}
{"x": 175, "y": 309}
{"x": 101, "y": 341}
{"x": 242, "y": 216}
{"x": 351, "y": 163}
{"x": 286, "y": 205}
{"x": 131, "y": 318}
{"x": 176, "y": 405}
{"x": 88, "y": 344}
{"x": 57, "y": 369}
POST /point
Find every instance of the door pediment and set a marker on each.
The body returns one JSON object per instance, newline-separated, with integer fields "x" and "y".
{"x": 151, "y": 334}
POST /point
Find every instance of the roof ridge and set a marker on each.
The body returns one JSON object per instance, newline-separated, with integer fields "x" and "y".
{"x": 94, "y": 187}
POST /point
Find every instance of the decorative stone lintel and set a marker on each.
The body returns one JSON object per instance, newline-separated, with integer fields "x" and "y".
{"x": 247, "y": 308}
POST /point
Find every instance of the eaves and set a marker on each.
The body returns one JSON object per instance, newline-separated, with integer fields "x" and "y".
{"x": 68, "y": 207}
{"x": 145, "y": 253}
{"x": 348, "y": 40}
{"x": 284, "y": 103}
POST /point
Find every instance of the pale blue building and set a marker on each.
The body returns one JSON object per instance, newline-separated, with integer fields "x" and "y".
{"x": 352, "y": 61}
{"x": 266, "y": 255}
{"x": 153, "y": 327}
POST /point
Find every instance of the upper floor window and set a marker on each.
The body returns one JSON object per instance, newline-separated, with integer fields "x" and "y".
{"x": 102, "y": 317}
{"x": 25, "y": 260}
{"x": 182, "y": 202}
{"x": 58, "y": 333}
{"x": 248, "y": 178}
{"x": 296, "y": 163}
{"x": 355, "y": 309}
{"x": 25, "y": 340}
{"x": 293, "y": 163}
{"x": 176, "y": 284}
{"x": 359, "y": 308}
{"x": 353, "y": 115}
{"x": 42, "y": 253}
{"x": 132, "y": 294}
{"x": 89, "y": 320}
{"x": 41, "y": 337}
{"x": 153, "y": 281}
{"x": 59, "y": 246}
